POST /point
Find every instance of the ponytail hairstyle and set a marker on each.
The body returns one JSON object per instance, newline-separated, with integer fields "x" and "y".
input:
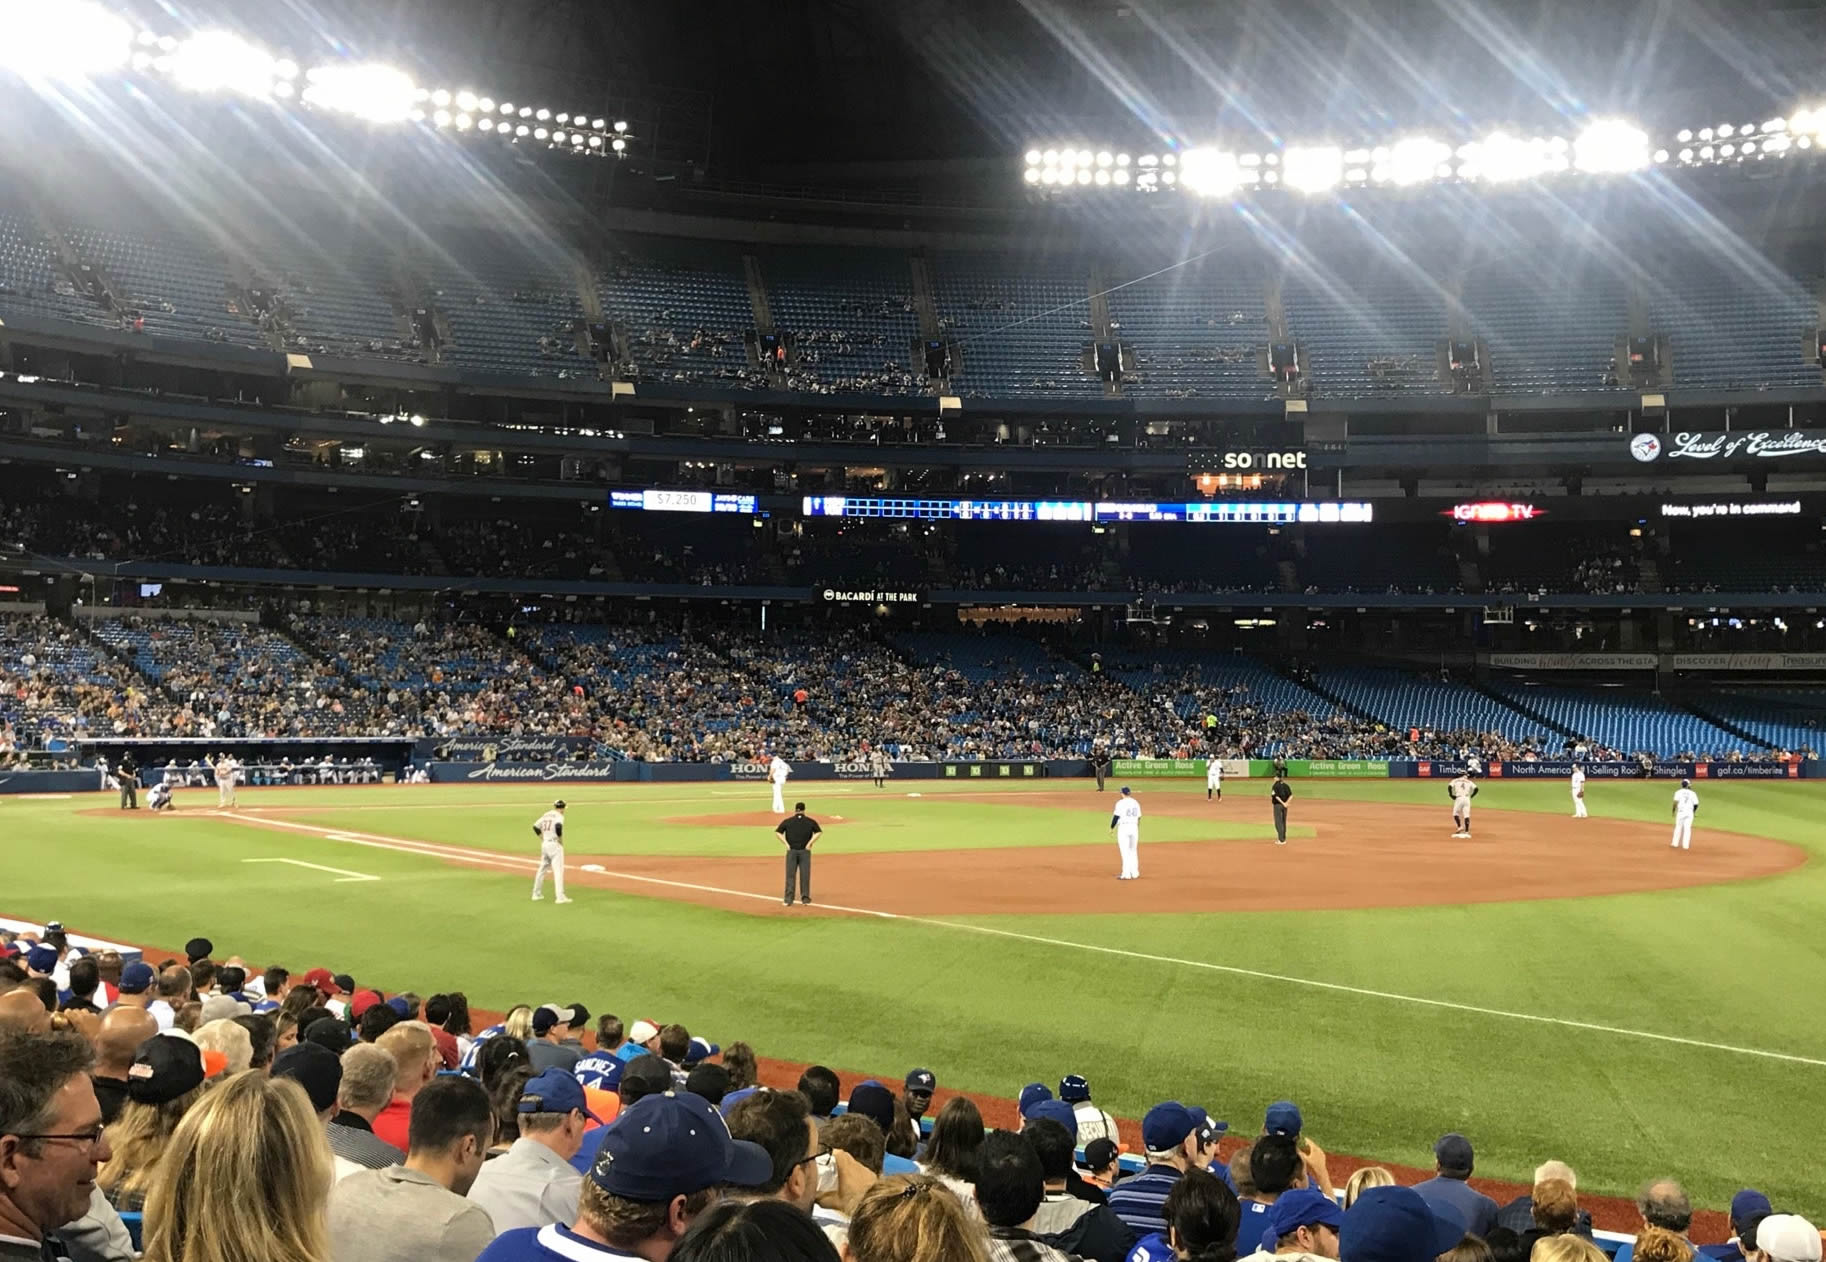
{"x": 1202, "y": 1217}
{"x": 914, "y": 1219}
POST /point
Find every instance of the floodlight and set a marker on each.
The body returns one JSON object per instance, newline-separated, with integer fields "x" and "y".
{"x": 1776, "y": 124}
{"x": 142, "y": 61}
{"x": 1686, "y": 134}
{"x": 618, "y": 145}
{"x": 1086, "y": 157}
{"x": 526, "y": 111}
{"x": 1105, "y": 158}
{"x": 440, "y": 98}
{"x": 1611, "y": 145}
{"x": 284, "y": 90}
{"x": 506, "y": 108}
{"x": 1725, "y": 151}
{"x": 367, "y": 90}
{"x": 576, "y": 139}
{"x": 1168, "y": 160}
{"x": 1167, "y": 177}
{"x": 1805, "y": 142}
{"x": 1415, "y": 159}
{"x": 1706, "y": 152}
{"x": 1122, "y": 159}
{"x": 285, "y": 68}
{"x": 1686, "y": 155}
{"x": 595, "y": 142}
{"x": 73, "y": 39}
{"x": 1776, "y": 144}
{"x": 1032, "y": 175}
{"x": 559, "y": 137}
{"x": 1661, "y": 155}
{"x": 1049, "y": 176}
{"x": 487, "y": 124}
{"x": 1314, "y": 169}
{"x": 1084, "y": 175}
{"x": 1122, "y": 175}
{"x": 1210, "y": 172}
{"x": 1033, "y": 157}
{"x": 1726, "y": 131}
{"x": 1103, "y": 177}
{"x": 539, "y": 133}
{"x": 1050, "y": 157}
{"x": 1749, "y": 146}
{"x": 216, "y": 61}
{"x": 1355, "y": 175}
{"x": 464, "y": 122}
{"x": 167, "y": 43}
{"x": 1744, "y": 129}
{"x": 441, "y": 118}
{"x": 1148, "y": 160}
{"x": 523, "y": 130}
{"x": 466, "y": 100}
{"x": 621, "y": 127}
{"x": 1705, "y": 133}
{"x": 544, "y": 115}
{"x": 1273, "y": 177}
{"x": 1357, "y": 157}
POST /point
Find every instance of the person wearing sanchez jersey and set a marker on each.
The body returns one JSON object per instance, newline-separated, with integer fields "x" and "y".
{"x": 659, "y": 1167}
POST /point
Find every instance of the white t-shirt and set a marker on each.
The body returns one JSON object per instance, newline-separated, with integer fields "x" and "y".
{"x": 1685, "y": 803}
{"x": 1128, "y": 815}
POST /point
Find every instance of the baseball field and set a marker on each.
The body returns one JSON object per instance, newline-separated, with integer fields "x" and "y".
{"x": 1552, "y": 987}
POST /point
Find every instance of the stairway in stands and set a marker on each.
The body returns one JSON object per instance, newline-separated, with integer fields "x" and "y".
{"x": 1521, "y": 707}
{"x": 1313, "y": 685}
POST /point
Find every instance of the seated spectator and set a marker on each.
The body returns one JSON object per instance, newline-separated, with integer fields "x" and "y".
{"x": 862, "y": 1142}
{"x": 739, "y": 1060}
{"x": 1454, "y": 1161}
{"x": 1565, "y": 1248}
{"x": 951, "y": 1148}
{"x": 415, "y": 1054}
{"x": 821, "y": 1090}
{"x": 914, "y": 1218}
{"x": 1362, "y": 1180}
{"x": 1274, "y": 1170}
{"x": 1397, "y": 1224}
{"x": 533, "y": 1184}
{"x": 1061, "y": 1114}
{"x": 551, "y": 1026}
{"x": 48, "y": 1182}
{"x": 1508, "y": 1246}
{"x": 1656, "y": 1244}
{"x": 659, "y": 1168}
{"x": 780, "y": 1122}
{"x": 1200, "y": 1216}
{"x": 1556, "y": 1207}
{"x": 1518, "y": 1215}
{"x": 1303, "y": 1223}
{"x": 754, "y": 1231}
{"x": 366, "y": 1089}
{"x": 709, "y": 1080}
{"x": 230, "y": 1040}
{"x": 648, "y": 1075}
{"x": 872, "y": 1100}
{"x": 422, "y": 1202}
{"x": 1748, "y": 1208}
{"x": 166, "y": 1080}
{"x": 1102, "y": 1161}
{"x": 1010, "y": 1188}
{"x": 1469, "y": 1249}
{"x": 320, "y": 1074}
{"x": 252, "y": 1131}
{"x": 122, "y": 1031}
{"x": 262, "y": 1037}
{"x": 1171, "y": 1137}
{"x": 1786, "y": 1238}
{"x": 1662, "y": 1203}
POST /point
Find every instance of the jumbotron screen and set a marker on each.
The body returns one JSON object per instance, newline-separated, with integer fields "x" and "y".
{"x": 1223, "y": 512}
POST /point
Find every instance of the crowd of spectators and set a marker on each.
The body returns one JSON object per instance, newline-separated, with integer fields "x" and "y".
{"x": 140, "y": 1103}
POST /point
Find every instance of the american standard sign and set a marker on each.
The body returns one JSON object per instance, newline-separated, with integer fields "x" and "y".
{"x": 1761, "y": 444}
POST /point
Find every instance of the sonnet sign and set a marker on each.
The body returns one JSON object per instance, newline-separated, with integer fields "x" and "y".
{"x": 1761, "y": 444}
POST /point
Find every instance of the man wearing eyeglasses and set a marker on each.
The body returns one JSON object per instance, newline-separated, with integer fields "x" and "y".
{"x": 51, "y": 1141}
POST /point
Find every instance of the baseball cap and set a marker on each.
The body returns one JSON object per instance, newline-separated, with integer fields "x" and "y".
{"x": 1057, "y": 1111}
{"x": 1788, "y": 1238}
{"x": 136, "y": 978}
{"x": 698, "y": 1050}
{"x": 41, "y": 959}
{"x": 1749, "y": 1204}
{"x": 1453, "y": 1152}
{"x": 1032, "y": 1094}
{"x": 1208, "y": 1127}
{"x": 673, "y": 1145}
{"x": 399, "y": 1005}
{"x": 199, "y": 949}
{"x": 643, "y": 1032}
{"x": 558, "y": 805}
{"x": 320, "y": 979}
{"x": 344, "y": 983}
{"x": 1073, "y": 1088}
{"x": 1283, "y": 1119}
{"x": 554, "y": 1091}
{"x": 361, "y": 1001}
{"x": 220, "y": 1007}
{"x": 167, "y": 1066}
{"x": 545, "y": 1017}
{"x": 1166, "y": 1126}
{"x": 1393, "y": 1224}
{"x": 314, "y": 1068}
{"x": 1125, "y": 788}
{"x": 1100, "y": 1152}
{"x": 922, "y": 1082}
{"x": 648, "y": 1075}
{"x": 874, "y": 1102}
{"x": 1302, "y": 1207}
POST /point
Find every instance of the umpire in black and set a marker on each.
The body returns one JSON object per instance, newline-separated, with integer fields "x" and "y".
{"x": 1278, "y": 793}
{"x": 1100, "y": 764}
{"x": 798, "y": 831}
{"x": 127, "y": 773}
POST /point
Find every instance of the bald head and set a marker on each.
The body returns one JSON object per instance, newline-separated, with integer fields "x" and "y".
{"x": 174, "y": 984}
{"x": 23, "y": 1011}
{"x": 122, "y": 1031}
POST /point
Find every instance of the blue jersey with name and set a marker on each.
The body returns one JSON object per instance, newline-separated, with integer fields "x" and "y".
{"x": 1152, "y": 1248}
{"x": 600, "y": 1069}
{"x": 468, "y": 1063}
{"x": 548, "y": 1244}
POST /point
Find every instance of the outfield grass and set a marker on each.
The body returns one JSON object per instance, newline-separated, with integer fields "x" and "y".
{"x": 1378, "y": 1074}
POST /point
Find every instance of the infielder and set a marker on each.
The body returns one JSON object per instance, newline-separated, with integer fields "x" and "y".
{"x": 1462, "y": 790}
{"x": 1214, "y": 780}
{"x": 228, "y": 778}
{"x": 549, "y": 829}
{"x": 1686, "y": 805}
{"x": 1578, "y": 791}
{"x": 777, "y": 771}
{"x": 880, "y": 767}
{"x": 1127, "y": 823}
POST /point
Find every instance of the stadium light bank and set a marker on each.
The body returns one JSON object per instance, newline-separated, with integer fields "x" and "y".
{"x": 62, "y": 42}
{"x": 1608, "y": 146}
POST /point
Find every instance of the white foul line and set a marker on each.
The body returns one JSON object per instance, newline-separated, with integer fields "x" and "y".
{"x": 460, "y": 855}
{"x": 343, "y": 874}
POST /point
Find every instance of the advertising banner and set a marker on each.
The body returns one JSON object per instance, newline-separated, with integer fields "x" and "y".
{"x": 539, "y": 772}
{"x": 1749, "y": 771}
{"x": 1574, "y": 661}
{"x": 506, "y": 748}
{"x": 1561, "y": 769}
{"x": 628, "y": 771}
{"x": 1340, "y": 768}
{"x": 1736, "y": 444}
{"x": 1155, "y": 768}
{"x": 1749, "y": 661}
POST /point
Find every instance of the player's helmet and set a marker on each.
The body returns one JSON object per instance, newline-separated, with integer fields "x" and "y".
{"x": 558, "y": 805}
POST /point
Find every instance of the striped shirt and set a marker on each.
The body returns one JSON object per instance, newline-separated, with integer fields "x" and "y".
{"x": 1141, "y": 1202}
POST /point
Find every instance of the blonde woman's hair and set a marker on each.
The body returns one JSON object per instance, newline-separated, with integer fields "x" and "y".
{"x": 139, "y": 1138}
{"x": 1555, "y": 1205}
{"x": 1362, "y": 1180}
{"x": 914, "y": 1219}
{"x": 1658, "y": 1244}
{"x": 1566, "y": 1248}
{"x": 252, "y": 1131}
{"x": 519, "y": 1023}
{"x": 229, "y": 1038}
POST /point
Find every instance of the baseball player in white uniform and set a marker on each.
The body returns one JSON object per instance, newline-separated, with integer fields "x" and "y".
{"x": 228, "y": 778}
{"x": 1462, "y": 790}
{"x": 160, "y": 797}
{"x": 1214, "y": 780}
{"x": 549, "y": 828}
{"x": 1578, "y": 791}
{"x": 1686, "y": 805}
{"x": 777, "y": 771}
{"x": 1127, "y": 823}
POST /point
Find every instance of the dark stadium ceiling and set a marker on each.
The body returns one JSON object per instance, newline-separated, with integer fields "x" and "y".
{"x": 799, "y": 89}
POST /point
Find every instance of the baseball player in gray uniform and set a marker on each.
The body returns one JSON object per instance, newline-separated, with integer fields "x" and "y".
{"x": 549, "y": 829}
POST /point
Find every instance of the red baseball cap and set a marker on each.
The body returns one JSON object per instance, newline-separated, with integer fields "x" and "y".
{"x": 361, "y": 1001}
{"x": 322, "y": 980}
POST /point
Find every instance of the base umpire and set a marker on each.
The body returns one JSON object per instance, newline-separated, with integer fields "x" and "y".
{"x": 798, "y": 831}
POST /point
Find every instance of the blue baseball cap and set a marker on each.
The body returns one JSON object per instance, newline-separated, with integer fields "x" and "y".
{"x": 1283, "y": 1119}
{"x": 41, "y": 959}
{"x": 1749, "y": 1204}
{"x": 699, "y": 1050}
{"x": 1166, "y": 1126}
{"x": 1393, "y": 1224}
{"x": 1302, "y": 1207}
{"x": 136, "y": 978}
{"x": 1208, "y": 1127}
{"x": 1057, "y": 1111}
{"x": 400, "y": 1006}
{"x": 1032, "y": 1094}
{"x": 554, "y": 1091}
{"x": 673, "y": 1145}
{"x": 872, "y": 1100}
{"x": 1073, "y": 1088}
{"x": 1125, "y": 788}
{"x": 924, "y": 1081}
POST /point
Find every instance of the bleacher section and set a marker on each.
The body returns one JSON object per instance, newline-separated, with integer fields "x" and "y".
{"x": 500, "y": 301}
{"x": 1023, "y": 322}
{"x": 848, "y": 315}
{"x": 30, "y": 279}
{"x": 1402, "y": 700}
{"x": 684, "y": 305}
{"x": 1550, "y": 326}
{"x": 334, "y": 295}
{"x": 1374, "y": 334}
{"x": 1194, "y": 331}
{"x": 170, "y": 272}
{"x": 1793, "y": 719}
{"x": 1737, "y": 325}
{"x": 1624, "y": 719}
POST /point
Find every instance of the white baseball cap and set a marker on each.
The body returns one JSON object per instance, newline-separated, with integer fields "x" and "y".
{"x": 646, "y": 1031}
{"x": 1788, "y": 1238}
